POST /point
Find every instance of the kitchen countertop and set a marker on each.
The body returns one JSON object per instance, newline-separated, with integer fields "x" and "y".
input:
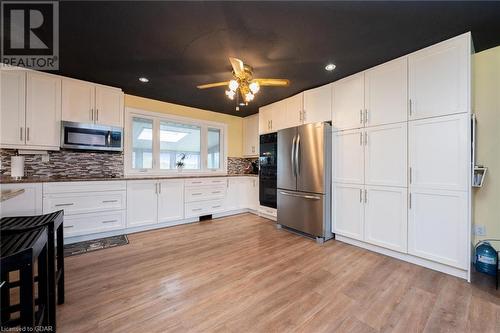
{"x": 9, "y": 180}
{"x": 9, "y": 194}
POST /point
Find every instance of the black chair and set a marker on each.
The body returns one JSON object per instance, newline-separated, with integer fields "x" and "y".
{"x": 54, "y": 222}
{"x": 19, "y": 252}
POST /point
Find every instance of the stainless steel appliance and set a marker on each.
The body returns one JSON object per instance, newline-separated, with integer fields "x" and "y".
{"x": 268, "y": 160}
{"x": 91, "y": 136}
{"x": 304, "y": 179}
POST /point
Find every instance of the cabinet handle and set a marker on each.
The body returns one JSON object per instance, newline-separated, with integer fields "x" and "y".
{"x": 21, "y": 133}
{"x": 410, "y": 107}
{"x": 366, "y": 196}
{"x": 68, "y": 226}
{"x": 215, "y": 192}
{"x": 27, "y": 134}
{"x": 411, "y": 175}
{"x": 360, "y": 138}
{"x": 361, "y": 116}
{"x": 197, "y": 193}
{"x": 197, "y": 209}
{"x": 366, "y": 116}
{"x": 271, "y": 124}
{"x": 97, "y": 114}
{"x": 216, "y": 206}
{"x": 159, "y": 187}
{"x": 108, "y": 201}
{"x": 409, "y": 200}
{"x": 109, "y": 221}
{"x": 156, "y": 188}
{"x": 195, "y": 182}
{"x": 64, "y": 204}
{"x": 366, "y": 138}
{"x": 360, "y": 195}
{"x": 304, "y": 115}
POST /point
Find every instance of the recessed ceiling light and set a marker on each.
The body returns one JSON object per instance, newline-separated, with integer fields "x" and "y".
{"x": 144, "y": 79}
{"x": 330, "y": 67}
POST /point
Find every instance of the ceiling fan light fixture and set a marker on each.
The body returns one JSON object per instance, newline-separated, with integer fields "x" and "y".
{"x": 254, "y": 87}
{"x": 233, "y": 85}
{"x": 230, "y": 94}
{"x": 249, "y": 97}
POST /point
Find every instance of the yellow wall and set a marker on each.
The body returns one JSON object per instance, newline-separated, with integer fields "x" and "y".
{"x": 234, "y": 124}
{"x": 486, "y": 83}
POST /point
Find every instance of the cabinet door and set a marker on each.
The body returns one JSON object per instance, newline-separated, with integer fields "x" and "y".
{"x": 318, "y": 104}
{"x": 170, "y": 200}
{"x": 232, "y": 200}
{"x": 142, "y": 203}
{"x": 385, "y": 155}
{"x": 265, "y": 119}
{"x": 13, "y": 107}
{"x": 386, "y": 217}
{"x": 278, "y": 116}
{"x": 254, "y": 194}
{"x": 439, "y": 153}
{"x": 293, "y": 109}
{"x": 348, "y": 102}
{"x": 251, "y": 135}
{"x": 348, "y": 150}
{"x": 78, "y": 101}
{"x": 386, "y": 96}
{"x": 43, "y": 110}
{"x": 348, "y": 210}
{"x": 28, "y": 203}
{"x": 439, "y": 79}
{"x": 109, "y": 106}
{"x": 437, "y": 226}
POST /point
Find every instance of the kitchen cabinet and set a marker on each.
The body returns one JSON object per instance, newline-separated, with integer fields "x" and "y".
{"x": 170, "y": 200}
{"x": 317, "y": 104}
{"x": 437, "y": 226}
{"x": 439, "y": 78}
{"x": 31, "y": 110}
{"x": 272, "y": 117}
{"x": 386, "y": 93}
{"x": 385, "y": 155}
{"x": 348, "y": 210}
{"x": 439, "y": 153}
{"x": 13, "y": 107}
{"x": 348, "y": 102}
{"x": 385, "y": 214}
{"x": 91, "y": 103}
{"x": 294, "y": 111}
{"x": 142, "y": 203}
{"x": 26, "y": 204}
{"x": 253, "y": 196}
{"x": 348, "y": 151}
{"x": 251, "y": 136}
{"x": 43, "y": 110}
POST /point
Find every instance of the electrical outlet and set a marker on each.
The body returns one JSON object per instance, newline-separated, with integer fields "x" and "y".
{"x": 479, "y": 230}
{"x": 45, "y": 158}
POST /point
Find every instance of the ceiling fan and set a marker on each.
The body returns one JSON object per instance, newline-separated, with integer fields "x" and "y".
{"x": 243, "y": 84}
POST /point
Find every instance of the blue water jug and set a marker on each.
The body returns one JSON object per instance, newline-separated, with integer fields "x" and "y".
{"x": 486, "y": 259}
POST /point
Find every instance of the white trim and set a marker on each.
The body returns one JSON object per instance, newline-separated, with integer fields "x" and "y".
{"x": 156, "y": 117}
{"x": 464, "y": 274}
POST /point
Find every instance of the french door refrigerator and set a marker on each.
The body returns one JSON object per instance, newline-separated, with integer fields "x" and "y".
{"x": 304, "y": 179}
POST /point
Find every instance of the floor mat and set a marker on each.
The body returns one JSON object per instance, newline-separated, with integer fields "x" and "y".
{"x": 94, "y": 245}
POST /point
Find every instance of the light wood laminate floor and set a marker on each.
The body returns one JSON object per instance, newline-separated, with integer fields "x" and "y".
{"x": 241, "y": 274}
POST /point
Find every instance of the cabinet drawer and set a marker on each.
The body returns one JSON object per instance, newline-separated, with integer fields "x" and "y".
{"x": 206, "y": 181}
{"x": 193, "y": 209}
{"x": 84, "y": 224}
{"x": 87, "y": 186}
{"x": 78, "y": 203}
{"x": 193, "y": 194}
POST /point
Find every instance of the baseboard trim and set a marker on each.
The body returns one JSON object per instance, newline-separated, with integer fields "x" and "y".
{"x": 463, "y": 274}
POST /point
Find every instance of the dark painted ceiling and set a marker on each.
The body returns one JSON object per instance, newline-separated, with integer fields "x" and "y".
{"x": 179, "y": 45}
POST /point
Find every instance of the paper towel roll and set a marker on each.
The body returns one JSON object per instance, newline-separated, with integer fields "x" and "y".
{"x": 17, "y": 166}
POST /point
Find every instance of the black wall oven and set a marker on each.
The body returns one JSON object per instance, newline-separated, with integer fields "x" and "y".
{"x": 268, "y": 163}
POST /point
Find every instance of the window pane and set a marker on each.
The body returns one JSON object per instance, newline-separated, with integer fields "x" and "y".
{"x": 142, "y": 143}
{"x": 179, "y": 143}
{"x": 213, "y": 148}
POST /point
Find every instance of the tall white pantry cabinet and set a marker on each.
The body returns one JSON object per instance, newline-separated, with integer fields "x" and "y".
{"x": 402, "y": 157}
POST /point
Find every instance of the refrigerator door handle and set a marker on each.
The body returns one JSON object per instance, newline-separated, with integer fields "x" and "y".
{"x": 297, "y": 155}
{"x": 292, "y": 157}
{"x": 305, "y": 196}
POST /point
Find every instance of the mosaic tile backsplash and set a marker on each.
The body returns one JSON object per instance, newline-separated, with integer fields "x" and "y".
{"x": 71, "y": 163}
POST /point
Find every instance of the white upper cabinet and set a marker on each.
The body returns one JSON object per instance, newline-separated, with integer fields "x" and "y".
{"x": 13, "y": 107}
{"x": 439, "y": 78}
{"x": 437, "y": 226}
{"x": 272, "y": 117}
{"x": 317, "y": 104}
{"x": 170, "y": 200}
{"x": 294, "y": 107}
{"x": 78, "y": 101}
{"x": 90, "y": 103}
{"x": 386, "y": 217}
{"x": 439, "y": 153}
{"x": 386, "y": 97}
{"x": 386, "y": 155}
{"x": 265, "y": 119}
{"x": 348, "y": 210}
{"x": 43, "y": 110}
{"x": 348, "y": 102}
{"x": 348, "y": 150}
{"x": 251, "y": 135}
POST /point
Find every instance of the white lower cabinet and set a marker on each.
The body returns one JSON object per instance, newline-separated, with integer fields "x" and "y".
{"x": 386, "y": 217}
{"x": 348, "y": 210}
{"x": 171, "y": 200}
{"x": 25, "y": 204}
{"x": 84, "y": 224}
{"x": 437, "y": 226}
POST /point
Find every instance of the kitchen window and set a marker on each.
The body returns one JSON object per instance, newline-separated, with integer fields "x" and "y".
{"x": 159, "y": 144}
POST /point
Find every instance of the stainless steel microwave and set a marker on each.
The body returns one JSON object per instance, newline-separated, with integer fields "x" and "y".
{"x": 91, "y": 136}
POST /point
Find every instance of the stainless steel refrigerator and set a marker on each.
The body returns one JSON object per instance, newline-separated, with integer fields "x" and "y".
{"x": 304, "y": 179}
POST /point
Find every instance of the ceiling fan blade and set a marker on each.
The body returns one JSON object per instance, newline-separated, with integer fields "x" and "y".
{"x": 213, "y": 85}
{"x": 238, "y": 66}
{"x": 273, "y": 82}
